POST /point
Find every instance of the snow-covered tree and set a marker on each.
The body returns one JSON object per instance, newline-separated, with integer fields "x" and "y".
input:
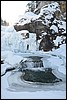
{"x": 31, "y": 6}
{"x": 4, "y": 22}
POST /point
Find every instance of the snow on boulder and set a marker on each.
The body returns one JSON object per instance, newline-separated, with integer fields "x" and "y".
{"x": 44, "y": 33}
{"x": 50, "y": 10}
{"x": 62, "y": 26}
{"x": 33, "y": 27}
{"x": 55, "y": 28}
{"x": 13, "y": 59}
{"x": 27, "y": 17}
{"x": 24, "y": 33}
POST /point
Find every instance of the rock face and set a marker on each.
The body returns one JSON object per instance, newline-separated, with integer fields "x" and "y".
{"x": 46, "y": 44}
{"x": 40, "y": 76}
{"x": 34, "y": 27}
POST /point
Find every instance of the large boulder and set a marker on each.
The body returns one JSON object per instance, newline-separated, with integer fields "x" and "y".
{"x": 31, "y": 62}
{"x": 46, "y": 44}
{"x": 34, "y": 26}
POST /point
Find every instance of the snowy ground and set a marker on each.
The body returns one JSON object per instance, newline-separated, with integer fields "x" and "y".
{"x": 30, "y": 94}
{"x": 13, "y": 88}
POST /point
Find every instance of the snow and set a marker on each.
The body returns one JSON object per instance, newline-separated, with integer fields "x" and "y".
{"x": 14, "y": 49}
{"x": 30, "y": 16}
{"x": 60, "y": 51}
{"x": 26, "y": 18}
{"x": 14, "y": 59}
{"x": 54, "y": 28}
{"x": 61, "y": 61}
{"x": 58, "y": 40}
{"x": 51, "y": 7}
{"x": 62, "y": 24}
{"x": 33, "y": 95}
{"x": 44, "y": 33}
{"x": 32, "y": 91}
{"x": 23, "y": 31}
{"x": 14, "y": 41}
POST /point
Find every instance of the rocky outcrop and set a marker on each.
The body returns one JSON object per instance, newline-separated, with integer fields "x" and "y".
{"x": 33, "y": 27}
{"x": 31, "y": 62}
{"x": 46, "y": 44}
{"x": 40, "y": 4}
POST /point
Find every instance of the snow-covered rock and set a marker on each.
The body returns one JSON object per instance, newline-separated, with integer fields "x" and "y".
{"x": 55, "y": 28}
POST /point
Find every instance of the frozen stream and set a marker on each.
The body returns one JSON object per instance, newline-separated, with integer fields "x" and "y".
{"x": 12, "y": 87}
{"x": 15, "y": 84}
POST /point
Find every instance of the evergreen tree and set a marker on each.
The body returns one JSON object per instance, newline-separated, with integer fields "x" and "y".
{"x": 4, "y": 22}
{"x": 31, "y": 6}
